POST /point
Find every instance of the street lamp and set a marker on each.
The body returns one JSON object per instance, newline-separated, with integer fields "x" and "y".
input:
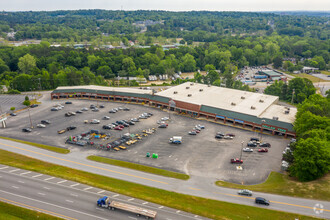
{"x": 263, "y": 121}
{"x": 240, "y": 158}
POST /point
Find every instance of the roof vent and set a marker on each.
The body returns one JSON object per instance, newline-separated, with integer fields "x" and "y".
{"x": 261, "y": 100}
{"x": 189, "y": 95}
{"x": 242, "y": 97}
{"x": 233, "y": 103}
{"x": 209, "y": 85}
{"x": 253, "y": 107}
{"x": 187, "y": 87}
{"x": 191, "y": 84}
{"x": 175, "y": 92}
{"x": 287, "y": 112}
{"x": 288, "y": 108}
{"x": 275, "y": 118}
{"x": 201, "y": 90}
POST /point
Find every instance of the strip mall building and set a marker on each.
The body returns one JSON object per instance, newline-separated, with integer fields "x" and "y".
{"x": 249, "y": 110}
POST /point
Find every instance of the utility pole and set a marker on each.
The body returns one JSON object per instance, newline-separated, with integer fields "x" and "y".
{"x": 261, "y": 129}
{"x": 240, "y": 157}
{"x": 30, "y": 118}
{"x": 292, "y": 96}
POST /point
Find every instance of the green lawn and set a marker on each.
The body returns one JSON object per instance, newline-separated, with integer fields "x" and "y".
{"x": 281, "y": 184}
{"x": 46, "y": 147}
{"x": 199, "y": 206}
{"x": 310, "y": 77}
{"x": 139, "y": 167}
{"x": 12, "y": 212}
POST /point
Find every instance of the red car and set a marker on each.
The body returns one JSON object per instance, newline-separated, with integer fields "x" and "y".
{"x": 263, "y": 150}
{"x": 197, "y": 131}
{"x": 236, "y": 160}
{"x": 121, "y": 126}
{"x": 118, "y": 128}
{"x": 231, "y": 135}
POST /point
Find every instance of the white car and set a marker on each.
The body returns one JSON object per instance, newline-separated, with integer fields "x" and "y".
{"x": 246, "y": 149}
{"x": 95, "y": 121}
{"x": 41, "y": 125}
{"x": 227, "y": 137}
{"x": 84, "y": 109}
{"x": 106, "y": 118}
{"x": 165, "y": 119}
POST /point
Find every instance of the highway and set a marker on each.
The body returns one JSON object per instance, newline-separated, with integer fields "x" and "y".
{"x": 70, "y": 200}
{"x": 197, "y": 185}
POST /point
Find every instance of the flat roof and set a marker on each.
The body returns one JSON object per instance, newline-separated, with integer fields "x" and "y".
{"x": 106, "y": 88}
{"x": 221, "y": 98}
{"x": 279, "y": 111}
{"x": 270, "y": 73}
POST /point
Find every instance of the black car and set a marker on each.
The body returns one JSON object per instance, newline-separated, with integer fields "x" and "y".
{"x": 13, "y": 114}
{"x": 126, "y": 109}
{"x": 131, "y": 123}
{"x": 68, "y": 102}
{"x": 34, "y": 105}
{"x": 101, "y": 106}
{"x": 219, "y": 136}
{"x": 260, "y": 200}
{"x": 162, "y": 126}
{"x": 92, "y": 106}
{"x": 26, "y": 129}
{"x": 79, "y": 111}
{"x": 126, "y": 125}
{"x": 71, "y": 128}
{"x": 45, "y": 122}
{"x": 265, "y": 145}
{"x": 114, "y": 123}
{"x": 252, "y": 144}
{"x": 106, "y": 127}
{"x": 120, "y": 122}
{"x": 95, "y": 109}
{"x": 254, "y": 139}
{"x": 112, "y": 111}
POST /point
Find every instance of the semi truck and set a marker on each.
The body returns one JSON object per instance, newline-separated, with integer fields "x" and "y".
{"x": 176, "y": 140}
{"x": 105, "y": 202}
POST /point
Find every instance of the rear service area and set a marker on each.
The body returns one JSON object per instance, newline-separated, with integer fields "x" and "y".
{"x": 90, "y": 131}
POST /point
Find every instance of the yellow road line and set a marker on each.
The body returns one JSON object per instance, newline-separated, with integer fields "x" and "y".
{"x": 100, "y": 168}
{"x": 35, "y": 208}
{"x": 193, "y": 188}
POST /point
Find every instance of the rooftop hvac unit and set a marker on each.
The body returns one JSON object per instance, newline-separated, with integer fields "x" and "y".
{"x": 242, "y": 97}
{"x": 233, "y": 103}
{"x": 191, "y": 84}
{"x": 201, "y": 90}
{"x": 175, "y": 92}
{"x": 261, "y": 100}
{"x": 209, "y": 85}
{"x": 288, "y": 108}
{"x": 275, "y": 118}
{"x": 252, "y": 107}
{"x": 187, "y": 87}
{"x": 189, "y": 95}
{"x": 287, "y": 112}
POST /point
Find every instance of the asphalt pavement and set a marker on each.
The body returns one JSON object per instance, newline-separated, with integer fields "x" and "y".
{"x": 197, "y": 186}
{"x": 71, "y": 200}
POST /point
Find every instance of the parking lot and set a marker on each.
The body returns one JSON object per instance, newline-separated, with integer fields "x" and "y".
{"x": 199, "y": 155}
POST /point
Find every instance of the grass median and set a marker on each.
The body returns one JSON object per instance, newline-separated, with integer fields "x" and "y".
{"x": 12, "y": 212}
{"x": 139, "y": 167}
{"x": 43, "y": 146}
{"x": 281, "y": 184}
{"x": 200, "y": 206}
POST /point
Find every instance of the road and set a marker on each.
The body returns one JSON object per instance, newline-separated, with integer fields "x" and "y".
{"x": 197, "y": 186}
{"x": 70, "y": 200}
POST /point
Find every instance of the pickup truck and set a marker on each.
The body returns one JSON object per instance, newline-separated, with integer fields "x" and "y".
{"x": 105, "y": 202}
{"x": 176, "y": 140}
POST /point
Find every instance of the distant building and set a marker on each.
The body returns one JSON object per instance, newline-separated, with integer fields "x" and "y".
{"x": 307, "y": 69}
{"x": 271, "y": 74}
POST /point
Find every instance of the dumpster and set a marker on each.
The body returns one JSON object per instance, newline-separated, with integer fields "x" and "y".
{"x": 154, "y": 155}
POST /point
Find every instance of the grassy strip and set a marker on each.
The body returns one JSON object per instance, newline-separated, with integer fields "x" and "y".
{"x": 139, "y": 167}
{"x": 12, "y": 212}
{"x": 197, "y": 205}
{"x": 278, "y": 183}
{"x": 46, "y": 147}
{"x": 314, "y": 79}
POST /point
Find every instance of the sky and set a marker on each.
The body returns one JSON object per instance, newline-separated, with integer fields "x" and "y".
{"x": 170, "y": 5}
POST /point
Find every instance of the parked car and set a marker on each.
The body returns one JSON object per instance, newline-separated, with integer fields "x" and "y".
{"x": 231, "y": 135}
{"x": 114, "y": 123}
{"x": 79, "y": 111}
{"x": 201, "y": 126}
{"x": 68, "y": 102}
{"x": 84, "y": 109}
{"x": 236, "y": 160}
{"x": 135, "y": 120}
{"x": 101, "y": 106}
{"x": 71, "y": 128}
{"x": 45, "y": 122}
{"x": 254, "y": 139}
{"x": 126, "y": 125}
{"x": 61, "y": 131}
{"x": 106, "y": 118}
{"x": 106, "y": 127}
{"x": 126, "y": 109}
{"x": 13, "y": 114}
{"x": 265, "y": 150}
{"x": 95, "y": 109}
{"x": 95, "y": 121}
{"x": 68, "y": 114}
{"x": 246, "y": 149}
{"x": 112, "y": 111}
{"x": 197, "y": 131}
{"x": 244, "y": 192}
{"x": 252, "y": 144}
{"x": 227, "y": 137}
{"x": 165, "y": 119}
{"x": 162, "y": 126}
{"x": 131, "y": 123}
{"x": 265, "y": 145}
{"x": 192, "y": 133}
{"x": 118, "y": 128}
{"x": 218, "y": 136}
{"x": 54, "y": 109}
{"x": 26, "y": 129}
{"x": 34, "y": 105}
{"x": 260, "y": 200}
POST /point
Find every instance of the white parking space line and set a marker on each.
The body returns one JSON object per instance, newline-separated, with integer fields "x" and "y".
{"x": 87, "y": 188}
{"x": 42, "y": 194}
{"x": 75, "y": 195}
{"x": 131, "y": 217}
{"x": 63, "y": 181}
{"x": 101, "y": 191}
{"x": 100, "y": 209}
{"x": 25, "y": 173}
{"x": 13, "y": 171}
{"x": 1, "y": 168}
{"x": 50, "y": 178}
{"x": 69, "y": 201}
{"x": 160, "y": 207}
{"x": 37, "y": 175}
{"x": 76, "y": 184}
{"x": 145, "y": 203}
{"x": 16, "y": 187}
{"x": 196, "y": 216}
{"x": 20, "y": 181}
{"x": 115, "y": 195}
{"x": 46, "y": 188}
{"x": 130, "y": 199}
{"x": 178, "y": 211}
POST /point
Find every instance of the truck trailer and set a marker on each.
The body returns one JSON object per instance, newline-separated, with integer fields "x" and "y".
{"x": 105, "y": 202}
{"x": 176, "y": 140}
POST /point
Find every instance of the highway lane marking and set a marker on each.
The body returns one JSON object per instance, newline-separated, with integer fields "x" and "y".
{"x": 69, "y": 201}
{"x": 50, "y": 178}
{"x": 35, "y": 208}
{"x": 76, "y": 184}
{"x": 37, "y": 175}
{"x": 115, "y": 195}
{"x": 3, "y": 167}
{"x": 42, "y": 194}
{"x": 100, "y": 209}
{"x": 16, "y": 187}
{"x": 160, "y": 207}
{"x": 63, "y": 181}
{"x": 132, "y": 217}
{"x": 13, "y": 171}
{"x": 75, "y": 195}
{"x": 178, "y": 211}
{"x": 82, "y": 164}
{"x": 101, "y": 191}
{"x": 46, "y": 187}
{"x": 130, "y": 199}
{"x": 193, "y": 188}
{"x": 20, "y": 181}
{"x": 196, "y": 216}
{"x": 145, "y": 203}
{"x": 87, "y": 188}
{"x": 25, "y": 173}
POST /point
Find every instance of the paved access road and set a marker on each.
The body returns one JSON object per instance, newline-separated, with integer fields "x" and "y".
{"x": 70, "y": 200}
{"x": 197, "y": 186}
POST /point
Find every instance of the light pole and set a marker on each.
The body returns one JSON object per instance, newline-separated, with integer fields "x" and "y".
{"x": 30, "y": 118}
{"x": 240, "y": 157}
{"x": 263, "y": 121}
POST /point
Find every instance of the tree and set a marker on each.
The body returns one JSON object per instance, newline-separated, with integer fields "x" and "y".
{"x": 128, "y": 66}
{"x": 188, "y": 63}
{"x": 12, "y": 109}
{"x": 27, "y": 101}
{"x": 278, "y": 62}
{"x": 26, "y": 63}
